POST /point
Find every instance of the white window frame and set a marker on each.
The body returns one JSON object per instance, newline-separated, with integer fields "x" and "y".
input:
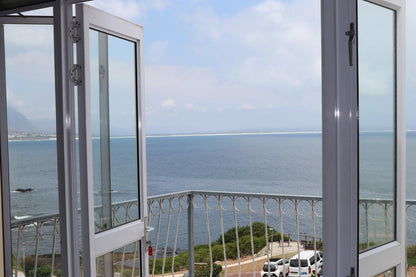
{"x": 393, "y": 254}
{"x": 65, "y": 133}
{"x": 340, "y": 159}
{"x": 339, "y": 138}
{"x": 99, "y": 244}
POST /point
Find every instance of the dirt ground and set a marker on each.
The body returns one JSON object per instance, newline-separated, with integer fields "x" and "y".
{"x": 411, "y": 271}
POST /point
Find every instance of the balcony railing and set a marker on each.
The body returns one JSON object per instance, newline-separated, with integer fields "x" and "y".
{"x": 223, "y": 226}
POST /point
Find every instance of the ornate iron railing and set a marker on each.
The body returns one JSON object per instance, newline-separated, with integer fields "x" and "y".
{"x": 186, "y": 219}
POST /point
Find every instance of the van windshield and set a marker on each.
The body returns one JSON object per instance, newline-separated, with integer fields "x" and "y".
{"x": 266, "y": 267}
{"x": 295, "y": 263}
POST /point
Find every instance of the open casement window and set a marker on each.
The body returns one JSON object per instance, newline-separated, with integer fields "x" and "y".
{"x": 364, "y": 138}
{"x": 107, "y": 79}
{"x": 111, "y": 129}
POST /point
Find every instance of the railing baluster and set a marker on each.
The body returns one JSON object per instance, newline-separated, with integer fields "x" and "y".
{"x": 266, "y": 231}
{"x": 314, "y": 233}
{"x": 133, "y": 266}
{"x": 366, "y": 223}
{"x": 282, "y": 239}
{"x": 123, "y": 257}
{"x": 19, "y": 234}
{"x": 251, "y": 235}
{"x": 297, "y": 233}
{"x": 209, "y": 235}
{"x": 176, "y": 236}
{"x": 385, "y": 220}
{"x": 236, "y": 235}
{"x": 157, "y": 237}
{"x": 167, "y": 237}
{"x": 38, "y": 225}
{"x": 222, "y": 234}
{"x": 191, "y": 250}
{"x": 55, "y": 227}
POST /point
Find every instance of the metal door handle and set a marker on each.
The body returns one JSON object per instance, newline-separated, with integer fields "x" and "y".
{"x": 351, "y": 35}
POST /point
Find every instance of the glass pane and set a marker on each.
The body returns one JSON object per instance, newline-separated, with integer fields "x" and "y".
{"x": 113, "y": 116}
{"x": 31, "y": 119}
{"x": 121, "y": 262}
{"x": 388, "y": 273}
{"x": 377, "y": 125}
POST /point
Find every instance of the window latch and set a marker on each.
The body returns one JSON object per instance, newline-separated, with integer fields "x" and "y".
{"x": 351, "y": 35}
{"x": 352, "y": 272}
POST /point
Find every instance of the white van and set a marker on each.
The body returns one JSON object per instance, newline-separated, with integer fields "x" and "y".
{"x": 307, "y": 264}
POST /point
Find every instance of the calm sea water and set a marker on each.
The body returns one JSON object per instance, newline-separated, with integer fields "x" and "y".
{"x": 279, "y": 164}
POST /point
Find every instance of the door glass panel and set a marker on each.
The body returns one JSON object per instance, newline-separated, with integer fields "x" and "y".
{"x": 377, "y": 124}
{"x": 121, "y": 262}
{"x": 113, "y": 119}
{"x": 34, "y": 205}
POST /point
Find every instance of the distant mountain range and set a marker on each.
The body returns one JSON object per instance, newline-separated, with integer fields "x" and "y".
{"x": 17, "y": 122}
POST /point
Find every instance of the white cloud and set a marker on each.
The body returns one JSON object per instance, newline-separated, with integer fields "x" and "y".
{"x": 168, "y": 104}
{"x": 33, "y": 65}
{"x": 195, "y": 107}
{"x": 149, "y": 109}
{"x": 246, "y": 107}
{"x": 13, "y": 100}
{"x": 131, "y": 9}
{"x": 28, "y": 36}
{"x": 266, "y": 55}
{"x": 271, "y": 46}
{"x": 156, "y": 51}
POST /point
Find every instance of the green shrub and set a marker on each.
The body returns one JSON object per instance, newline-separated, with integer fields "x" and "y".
{"x": 411, "y": 255}
{"x": 205, "y": 271}
{"x": 217, "y": 253}
{"x": 258, "y": 231}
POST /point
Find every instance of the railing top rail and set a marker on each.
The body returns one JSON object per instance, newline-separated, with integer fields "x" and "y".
{"x": 235, "y": 194}
{"x": 30, "y": 220}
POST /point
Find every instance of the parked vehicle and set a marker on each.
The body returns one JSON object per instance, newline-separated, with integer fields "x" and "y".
{"x": 307, "y": 263}
{"x": 278, "y": 268}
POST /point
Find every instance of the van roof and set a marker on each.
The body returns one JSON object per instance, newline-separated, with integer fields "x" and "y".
{"x": 305, "y": 254}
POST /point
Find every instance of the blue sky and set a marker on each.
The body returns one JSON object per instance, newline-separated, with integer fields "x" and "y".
{"x": 215, "y": 66}
{"x": 210, "y": 65}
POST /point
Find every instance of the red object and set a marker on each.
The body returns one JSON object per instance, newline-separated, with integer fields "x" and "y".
{"x": 150, "y": 251}
{"x": 309, "y": 270}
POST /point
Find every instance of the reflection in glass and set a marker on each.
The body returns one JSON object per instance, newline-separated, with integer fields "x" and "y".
{"x": 388, "y": 273}
{"x": 377, "y": 127}
{"x": 113, "y": 116}
{"x": 32, "y": 146}
{"x": 123, "y": 262}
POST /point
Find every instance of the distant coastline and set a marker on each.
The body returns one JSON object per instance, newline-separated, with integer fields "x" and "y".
{"x": 15, "y": 136}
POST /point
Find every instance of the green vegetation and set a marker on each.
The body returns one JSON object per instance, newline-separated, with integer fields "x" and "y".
{"x": 43, "y": 269}
{"x": 411, "y": 255}
{"x": 205, "y": 271}
{"x": 202, "y": 250}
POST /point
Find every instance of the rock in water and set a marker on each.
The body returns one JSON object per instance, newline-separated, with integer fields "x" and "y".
{"x": 24, "y": 190}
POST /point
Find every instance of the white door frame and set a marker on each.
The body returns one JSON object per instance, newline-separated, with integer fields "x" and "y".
{"x": 95, "y": 245}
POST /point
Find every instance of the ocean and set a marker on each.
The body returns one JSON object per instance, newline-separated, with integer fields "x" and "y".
{"x": 261, "y": 163}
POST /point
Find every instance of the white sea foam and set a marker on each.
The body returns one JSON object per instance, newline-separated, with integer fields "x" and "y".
{"x": 22, "y": 217}
{"x": 234, "y": 134}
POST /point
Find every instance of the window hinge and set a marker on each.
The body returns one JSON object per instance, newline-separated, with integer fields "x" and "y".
{"x": 74, "y": 31}
{"x": 76, "y": 74}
